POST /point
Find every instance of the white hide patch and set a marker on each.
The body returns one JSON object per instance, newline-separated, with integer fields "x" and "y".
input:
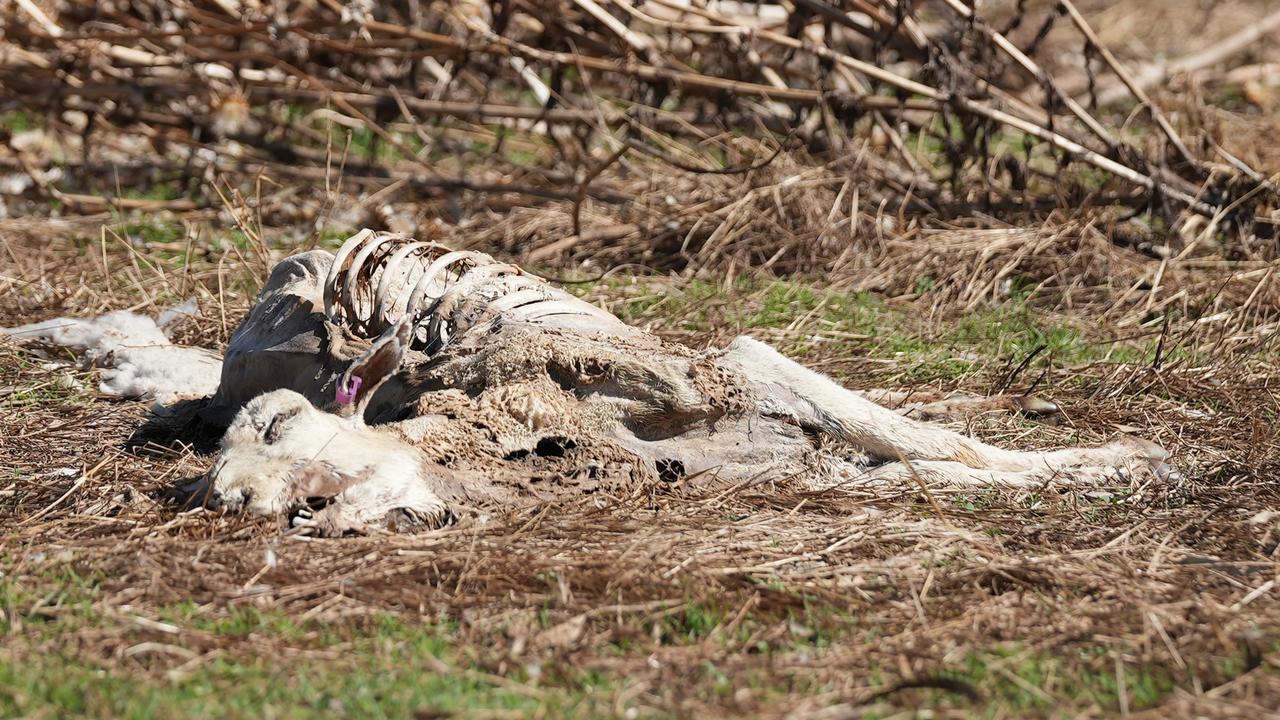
{"x": 135, "y": 356}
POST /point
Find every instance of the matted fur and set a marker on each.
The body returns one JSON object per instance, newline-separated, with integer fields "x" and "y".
{"x": 359, "y": 397}
{"x": 504, "y": 403}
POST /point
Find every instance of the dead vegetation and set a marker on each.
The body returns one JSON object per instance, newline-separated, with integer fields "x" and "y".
{"x": 927, "y": 111}
{"x": 674, "y": 170}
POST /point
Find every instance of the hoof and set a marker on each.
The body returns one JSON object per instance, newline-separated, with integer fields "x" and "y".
{"x": 1155, "y": 456}
{"x": 1166, "y": 472}
{"x": 1035, "y": 407}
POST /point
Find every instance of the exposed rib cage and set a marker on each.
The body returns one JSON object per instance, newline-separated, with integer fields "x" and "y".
{"x": 377, "y": 278}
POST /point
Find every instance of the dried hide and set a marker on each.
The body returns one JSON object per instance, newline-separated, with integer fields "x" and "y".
{"x": 137, "y": 358}
{"x": 482, "y": 386}
{"x": 401, "y": 383}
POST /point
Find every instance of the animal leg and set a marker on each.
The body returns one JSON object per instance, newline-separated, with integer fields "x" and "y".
{"x": 371, "y": 506}
{"x": 934, "y": 473}
{"x": 134, "y": 354}
{"x": 935, "y": 406}
{"x": 789, "y": 389}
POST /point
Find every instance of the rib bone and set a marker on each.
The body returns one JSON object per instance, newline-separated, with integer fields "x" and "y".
{"x": 449, "y": 292}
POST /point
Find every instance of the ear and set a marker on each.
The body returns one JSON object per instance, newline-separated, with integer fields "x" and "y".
{"x": 275, "y": 426}
{"x": 313, "y": 479}
{"x": 379, "y": 362}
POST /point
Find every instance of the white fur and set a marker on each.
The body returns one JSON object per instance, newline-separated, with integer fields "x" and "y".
{"x": 136, "y": 357}
{"x": 276, "y": 434}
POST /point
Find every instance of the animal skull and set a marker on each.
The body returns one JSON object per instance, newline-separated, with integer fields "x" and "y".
{"x": 281, "y": 454}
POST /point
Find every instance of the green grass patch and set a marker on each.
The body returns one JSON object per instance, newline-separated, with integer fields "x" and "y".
{"x": 151, "y": 231}
{"x": 25, "y": 383}
{"x": 385, "y": 676}
{"x": 366, "y": 144}
{"x": 264, "y": 664}
{"x": 1013, "y": 680}
{"x": 867, "y": 325}
{"x": 159, "y": 191}
{"x": 18, "y": 121}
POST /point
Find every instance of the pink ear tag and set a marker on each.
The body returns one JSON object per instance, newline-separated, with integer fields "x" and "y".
{"x": 347, "y": 395}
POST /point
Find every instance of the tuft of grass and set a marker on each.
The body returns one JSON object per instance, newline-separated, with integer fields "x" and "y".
{"x": 1014, "y": 679}
{"x": 364, "y": 141}
{"x": 151, "y": 231}
{"x": 331, "y": 238}
{"x": 24, "y": 383}
{"x": 18, "y": 121}
{"x": 159, "y": 191}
